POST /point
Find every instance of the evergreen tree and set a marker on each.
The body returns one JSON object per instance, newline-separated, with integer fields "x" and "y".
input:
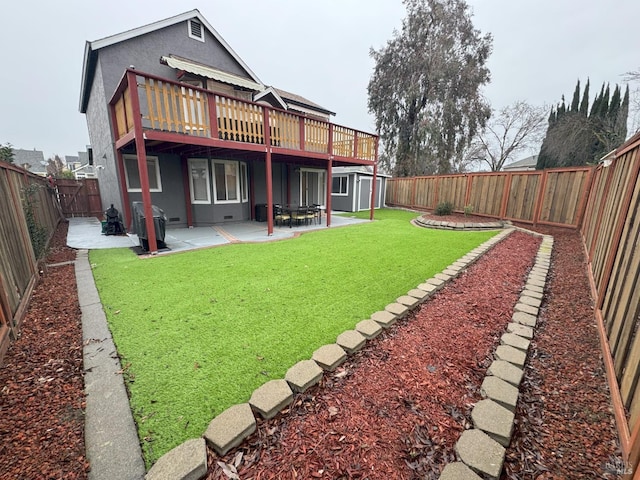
{"x": 576, "y": 98}
{"x": 584, "y": 105}
{"x": 574, "y": 138}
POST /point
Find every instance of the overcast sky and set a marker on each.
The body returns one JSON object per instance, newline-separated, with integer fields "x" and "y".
{"x": 318, "y": 49}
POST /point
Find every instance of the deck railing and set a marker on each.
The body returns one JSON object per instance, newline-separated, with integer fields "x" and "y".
{"x": 175, "y": 107}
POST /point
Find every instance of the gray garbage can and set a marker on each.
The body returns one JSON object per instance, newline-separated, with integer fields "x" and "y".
{"x": 140, "y": 225}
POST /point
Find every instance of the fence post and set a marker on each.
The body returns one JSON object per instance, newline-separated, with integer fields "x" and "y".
{"x": 505, "y": 195}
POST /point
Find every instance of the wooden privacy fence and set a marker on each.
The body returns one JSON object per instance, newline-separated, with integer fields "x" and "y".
{"x": 80, "y": 198}
{"x": 611, "y": 236}
{"x": 18, "y": 263}
{"x": 552, "y": 197}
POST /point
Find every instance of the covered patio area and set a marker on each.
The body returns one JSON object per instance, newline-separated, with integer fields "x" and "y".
{"x": 86, "y": 233}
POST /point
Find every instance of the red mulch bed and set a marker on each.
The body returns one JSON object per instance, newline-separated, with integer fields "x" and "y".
{"x": 393, "y": 410}
{"x": 565, "y": 426}
{"x": 41, "y": 381}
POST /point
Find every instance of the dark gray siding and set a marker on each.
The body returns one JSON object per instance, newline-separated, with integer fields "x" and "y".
{"x": 144, "y": 53}
{"x": 171, "y": 199}
{"x": 341, "y": 203}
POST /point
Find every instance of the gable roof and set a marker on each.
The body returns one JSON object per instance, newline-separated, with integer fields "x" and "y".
{"x": 91, "y": 49}
{"x": 35, "y": 158}
{"x": 529, "y": 162}
{"x": 300, "y": 101}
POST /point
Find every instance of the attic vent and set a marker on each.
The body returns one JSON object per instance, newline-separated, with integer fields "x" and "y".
{"x": 195, "y": 30}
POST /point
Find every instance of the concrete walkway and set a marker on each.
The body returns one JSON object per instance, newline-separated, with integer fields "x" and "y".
{"x": 111, "y": 439}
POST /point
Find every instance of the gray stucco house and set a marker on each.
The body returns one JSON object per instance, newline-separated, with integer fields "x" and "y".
{"x": 351, "y": 189}
{"x": 176, "y": 119}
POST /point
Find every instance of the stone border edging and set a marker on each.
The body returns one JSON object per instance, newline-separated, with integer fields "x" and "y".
{"x": 442, "y": 225}
{"x": 483, "y": 448}
{"x": 188, "y": 461}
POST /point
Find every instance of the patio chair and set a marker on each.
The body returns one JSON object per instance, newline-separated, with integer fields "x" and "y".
{"x": 317, "y": 212}
{"x": 299, "y": 215}
{"x": 280, "y": 216}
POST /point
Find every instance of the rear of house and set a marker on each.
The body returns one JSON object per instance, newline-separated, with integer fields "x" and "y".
{"x": 176, "y": 119}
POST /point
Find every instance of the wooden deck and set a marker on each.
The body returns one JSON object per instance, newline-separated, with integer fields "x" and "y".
{"x": 177, "y": 112}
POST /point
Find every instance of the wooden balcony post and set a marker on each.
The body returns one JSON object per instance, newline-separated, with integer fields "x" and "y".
{"x": 302, "y": 132}
{"x": 330, "y": 142}
{"x": 269, "y": 172}
{"x": 355, "y": 144}
{"x": 141, "y": 153}
{"x": 213, "y": 114}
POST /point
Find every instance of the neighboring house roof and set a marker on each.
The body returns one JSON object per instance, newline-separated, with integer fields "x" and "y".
{"x": 91, "y": 49}
{"x": 71, "y": 159}
{"x": 363, "y": 170}
{"x": 293, "y": 100}
{"x": 203, "y": 70}
{"x": 528, "y": 163}
{"x": 35, "y": 158}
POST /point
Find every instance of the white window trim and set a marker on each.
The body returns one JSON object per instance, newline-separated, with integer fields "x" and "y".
{"x": 150, "y": 159}
{"x": 346, "y": 194}
{"x": 244, "y": 179}
{"x": 200, "y": 39}
{"x": 239, "y": 171}
{"x": 200, "y": 161}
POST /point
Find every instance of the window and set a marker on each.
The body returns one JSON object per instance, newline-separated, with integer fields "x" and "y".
{"x": 133, "y": 176}
{"x": 199, "y": 180}
{"x": 195, "y": 30}
{"x": 243, "y": 182}
{"x": 340, "y": 185}
{"x": 229, "y": 181}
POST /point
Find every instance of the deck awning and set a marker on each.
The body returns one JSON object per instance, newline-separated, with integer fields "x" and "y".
{"x": 210, "y": 72}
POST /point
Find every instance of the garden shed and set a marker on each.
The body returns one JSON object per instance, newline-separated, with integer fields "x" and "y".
{"x": 351, "y": 188}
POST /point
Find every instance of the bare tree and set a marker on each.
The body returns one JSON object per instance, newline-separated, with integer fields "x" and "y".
{"x": 634, "y": 102}
{"x": 513, "y": 129}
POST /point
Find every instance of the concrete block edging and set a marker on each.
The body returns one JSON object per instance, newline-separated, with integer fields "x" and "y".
{"x": 493, "y": 419}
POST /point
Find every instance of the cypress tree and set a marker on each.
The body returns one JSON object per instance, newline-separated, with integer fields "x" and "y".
{"x": 576, "y": 98}
{"x": 584, "y": 105}
{"x": 595, "y": 106}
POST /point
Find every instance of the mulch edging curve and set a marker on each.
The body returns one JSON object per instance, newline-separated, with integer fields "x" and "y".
{"x": 189, "y": 459}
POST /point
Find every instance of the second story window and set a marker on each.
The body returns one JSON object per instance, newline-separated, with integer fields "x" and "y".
{"x": 195, "y": 30}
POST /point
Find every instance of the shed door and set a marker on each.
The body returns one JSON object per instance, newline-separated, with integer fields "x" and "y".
{"x": 365, "y": 193}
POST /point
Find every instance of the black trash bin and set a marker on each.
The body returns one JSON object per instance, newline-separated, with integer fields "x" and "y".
{"x": 261, "y": 212}
{"x": 140, "y": 225}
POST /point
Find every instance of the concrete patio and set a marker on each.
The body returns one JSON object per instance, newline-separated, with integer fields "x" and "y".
{"x": 86, "y": 233}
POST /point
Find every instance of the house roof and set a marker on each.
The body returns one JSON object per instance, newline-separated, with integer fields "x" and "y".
{"x": 362, "y": 170}
{"x": 203, "y": 70}
{"x": 35, "y": 158}
{"x": 529, "y": 162}
{"x": 91, "y": 49}
{"x": 300, "y": 101}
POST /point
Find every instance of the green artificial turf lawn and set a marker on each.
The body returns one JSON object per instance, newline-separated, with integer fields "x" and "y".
{"x": 198, "y": 331}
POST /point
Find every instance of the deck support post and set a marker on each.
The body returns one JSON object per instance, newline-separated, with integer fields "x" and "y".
{"x": 269, "y": 172}
{"x": 141, "y": 154}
